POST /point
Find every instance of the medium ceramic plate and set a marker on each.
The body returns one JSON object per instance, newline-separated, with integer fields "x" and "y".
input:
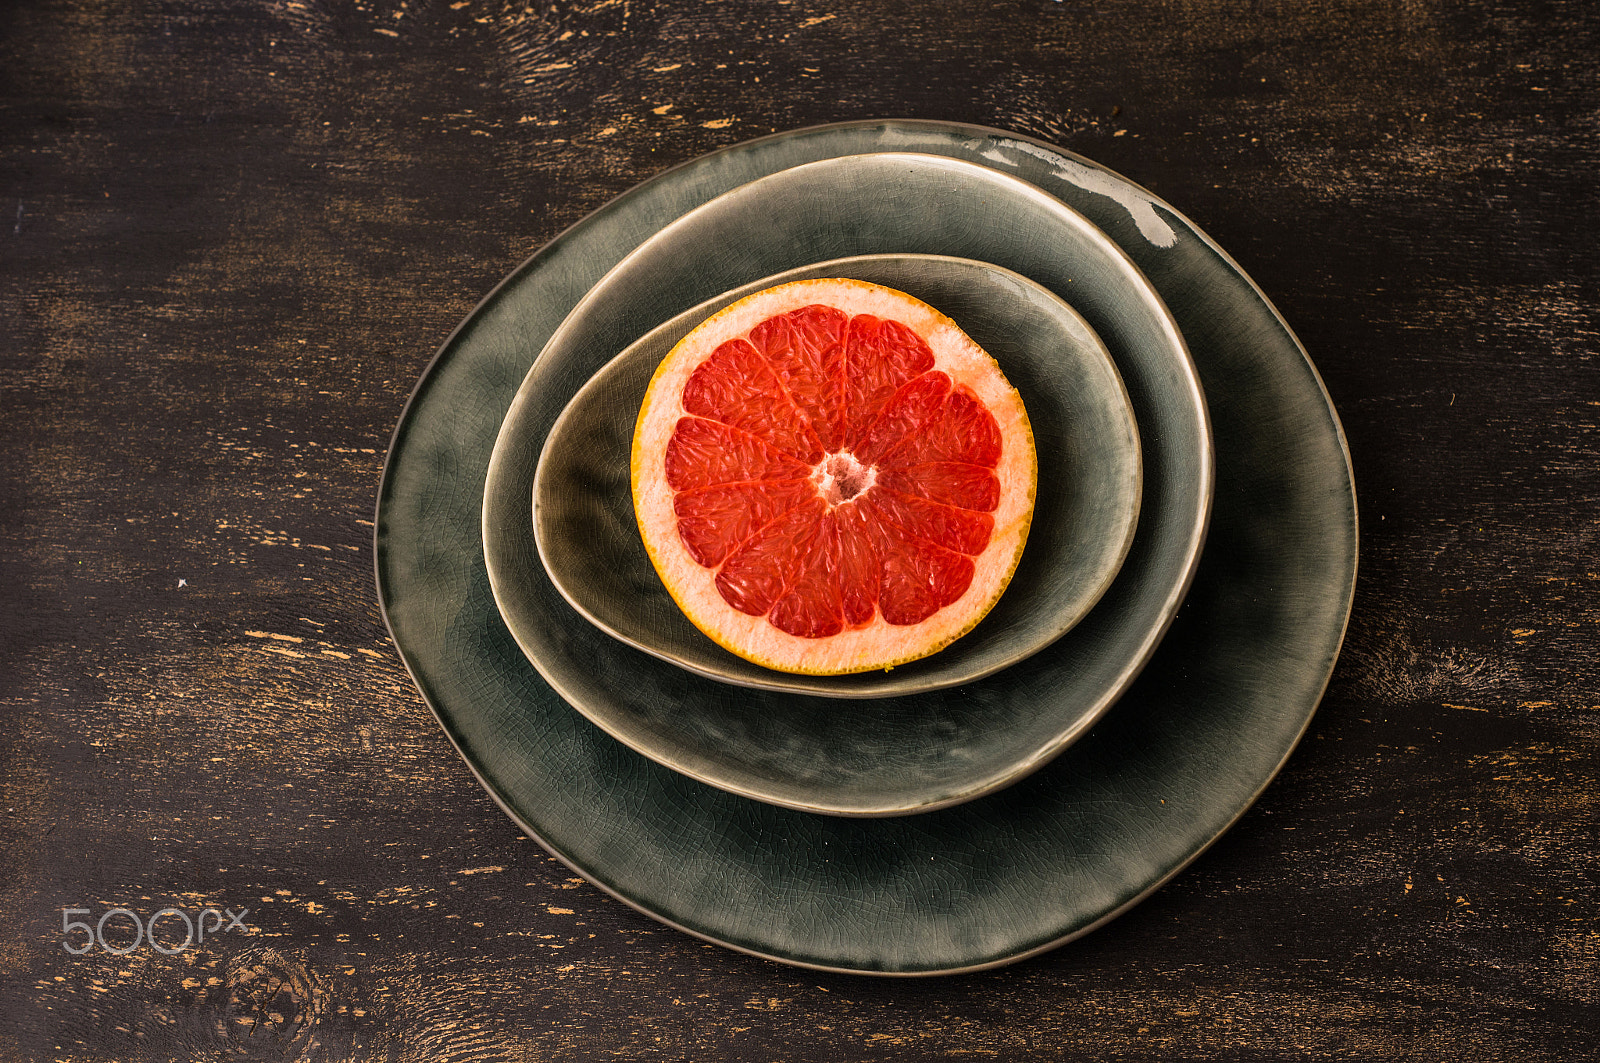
{"x": 913, "y": 752}
{"x": 1085, "y": 508}
{"x": 1189, "y": 747}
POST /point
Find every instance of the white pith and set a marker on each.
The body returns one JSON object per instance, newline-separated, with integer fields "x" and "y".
{"x": 833, "y": 473}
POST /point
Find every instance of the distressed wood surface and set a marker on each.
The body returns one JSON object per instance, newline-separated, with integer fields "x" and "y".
{"x": 232, "y": 235}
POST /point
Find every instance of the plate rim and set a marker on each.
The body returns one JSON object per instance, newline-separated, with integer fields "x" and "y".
{"x": 1348, "y": 497}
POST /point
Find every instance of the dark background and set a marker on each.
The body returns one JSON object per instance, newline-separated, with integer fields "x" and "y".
{"x": 233, "y": 234}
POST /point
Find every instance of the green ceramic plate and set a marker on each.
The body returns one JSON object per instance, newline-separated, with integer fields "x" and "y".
{"x": 1188, "y": 748}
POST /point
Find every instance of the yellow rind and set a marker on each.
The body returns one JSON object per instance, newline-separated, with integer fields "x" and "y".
{"x": 774, "y": 301}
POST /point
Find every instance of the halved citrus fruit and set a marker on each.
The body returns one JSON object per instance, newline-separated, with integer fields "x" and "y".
{"x": 831, "y": 477}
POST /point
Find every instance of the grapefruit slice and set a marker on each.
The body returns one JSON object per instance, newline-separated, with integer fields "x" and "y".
{"x": 831, "y": 477}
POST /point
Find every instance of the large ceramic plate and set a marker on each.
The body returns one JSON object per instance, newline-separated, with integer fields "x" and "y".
{"x": 1189, "y": 747}
{"x": 913, "y": 752}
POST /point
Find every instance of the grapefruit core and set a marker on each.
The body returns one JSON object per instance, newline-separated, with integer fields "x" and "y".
{"x": 831, "y": 477}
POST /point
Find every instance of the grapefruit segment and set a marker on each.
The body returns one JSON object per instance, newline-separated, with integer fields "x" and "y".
{"x": 950, "y": 482}
{"x": 714, "y": 521}
{"x": 703, "y": 453}
{"x": 962, "y": 429}
{"x": 960, "y": 530}
{"x": 814, "y": 606}
{"x": 768, "y": 564}
{"x": 880, "y": 356}
{"x": 919, "y": 578}
{"x": 806, "y": 349}
{"x": 830, "y": 477}
{"x": 904, "y": 414}
{"x": 736, "y": 387}
{"x": 859, "y": 566}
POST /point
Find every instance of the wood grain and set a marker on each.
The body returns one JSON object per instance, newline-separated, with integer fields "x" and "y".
{"x": 231, "y": 236}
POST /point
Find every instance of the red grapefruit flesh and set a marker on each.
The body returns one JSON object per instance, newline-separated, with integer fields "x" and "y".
{"x": 830, "y": 477}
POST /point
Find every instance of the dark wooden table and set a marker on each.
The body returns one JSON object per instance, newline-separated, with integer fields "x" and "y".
{"x": 232, "y": 235}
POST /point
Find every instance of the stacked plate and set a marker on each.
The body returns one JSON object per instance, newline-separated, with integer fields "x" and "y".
{"x": 1142, "y": 680}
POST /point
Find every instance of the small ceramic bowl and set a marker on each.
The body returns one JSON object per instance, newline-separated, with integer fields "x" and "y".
{"x": 1085, "y": 510}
